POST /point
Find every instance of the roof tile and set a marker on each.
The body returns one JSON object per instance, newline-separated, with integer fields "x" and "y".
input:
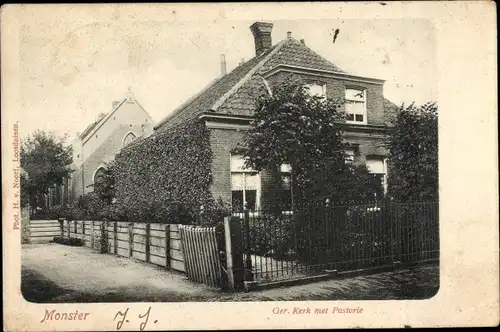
{"x": 242, "y": 101}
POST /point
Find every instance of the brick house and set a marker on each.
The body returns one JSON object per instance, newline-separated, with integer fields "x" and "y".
{"x": 101, "y": 140}
{"x": 226, "y": 106}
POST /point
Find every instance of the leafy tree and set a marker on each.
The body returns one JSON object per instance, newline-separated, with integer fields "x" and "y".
{"x": 413, "y": 157}
{"x": 46, "y": 159}
{"x": 292, "y": 127}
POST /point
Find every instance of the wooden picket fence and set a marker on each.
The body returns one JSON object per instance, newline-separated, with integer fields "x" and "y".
{"x": 202, "y": 254}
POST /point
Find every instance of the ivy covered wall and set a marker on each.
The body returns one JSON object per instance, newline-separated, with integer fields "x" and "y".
{"x": 167, "y": 175}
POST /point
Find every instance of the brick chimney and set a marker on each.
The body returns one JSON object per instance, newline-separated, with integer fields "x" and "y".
{"x": 223, "y": 69}
{"x": 262, "y": 36}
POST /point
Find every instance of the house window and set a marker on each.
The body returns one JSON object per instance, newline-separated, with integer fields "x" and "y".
{"x": 349, "y": 156}
{"x": 286, "y": 186}
{"x": 316, "y": 89}
{"x": 355, "y": 106}
{"x": 377, "y": 165}
{"x": 245, "y": 185}
{"x": 129, "y": 138}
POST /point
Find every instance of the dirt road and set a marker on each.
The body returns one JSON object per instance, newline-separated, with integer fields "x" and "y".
{"x": 57, "y": 273}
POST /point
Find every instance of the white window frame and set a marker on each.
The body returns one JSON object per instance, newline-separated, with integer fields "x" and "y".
{"x": 323, "y": 89}
{"x": 363, "y": 101}
{"x": 245, "y": 172}
{"x": 384, "y": 171}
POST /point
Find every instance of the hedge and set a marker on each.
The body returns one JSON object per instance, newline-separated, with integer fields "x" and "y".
{"x": 167, "y": 176}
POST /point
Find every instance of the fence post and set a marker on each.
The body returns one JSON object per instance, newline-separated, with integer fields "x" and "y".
{"x": 148, "y": 244}
{"x": 115, "y": 239}
{"x": 61, "y": 225}
{"x": 234, "y": 254}
{"x": 69, "y": 229}
{"x": 248, "y": 258}
{"x": 130, "y": 239}
{"x": 92, "y": 236}
{"x": 397, "y": 259}
{"x": 167, "y": 246}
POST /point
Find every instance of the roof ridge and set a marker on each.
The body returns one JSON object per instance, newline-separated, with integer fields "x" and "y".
{"x": 245, "y": 78}
{"x": 91, "y": 127}
{"x": 319, "y": 55}
{"x": 186, "y": 103}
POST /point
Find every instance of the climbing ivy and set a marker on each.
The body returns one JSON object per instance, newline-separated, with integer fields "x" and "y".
{"x": 166, "y": 177}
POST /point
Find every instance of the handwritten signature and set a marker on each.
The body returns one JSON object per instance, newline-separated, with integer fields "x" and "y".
{"x": 122, "y": 316}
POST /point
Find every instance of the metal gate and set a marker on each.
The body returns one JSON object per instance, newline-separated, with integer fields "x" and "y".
{"x": 316, "y": 239}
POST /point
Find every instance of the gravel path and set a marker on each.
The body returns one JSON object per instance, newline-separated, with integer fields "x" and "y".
{"x": 57, "y": 273}
{"x": 79, "y": 272}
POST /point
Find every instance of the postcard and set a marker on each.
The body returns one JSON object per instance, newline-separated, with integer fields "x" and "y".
{"x": 249, "y": 166}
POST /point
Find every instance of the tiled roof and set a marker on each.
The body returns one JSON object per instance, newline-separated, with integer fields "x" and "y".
{"x": 295, "y": 53}
{"x": 235, "y": 92}
{"x": 205, "y": 101}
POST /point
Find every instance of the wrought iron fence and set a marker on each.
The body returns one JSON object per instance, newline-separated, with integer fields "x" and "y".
{"x": 313, "y": 239}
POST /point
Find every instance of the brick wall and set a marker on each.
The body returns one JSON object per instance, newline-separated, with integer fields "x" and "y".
{"x": 335, "y": 88}
{"x": 222, "y": 142}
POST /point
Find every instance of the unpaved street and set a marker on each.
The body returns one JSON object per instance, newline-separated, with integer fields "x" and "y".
{"x": 57, "y": 273}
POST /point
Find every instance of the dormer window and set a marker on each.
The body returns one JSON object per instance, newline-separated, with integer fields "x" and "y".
{"x": 355, "y": 105}
{"x": 316, "y": 89}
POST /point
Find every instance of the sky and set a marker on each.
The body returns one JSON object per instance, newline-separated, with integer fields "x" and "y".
{"x": 72, "y": 72}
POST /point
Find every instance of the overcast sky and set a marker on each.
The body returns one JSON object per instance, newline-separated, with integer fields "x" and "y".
{"x": 69, "y": 75}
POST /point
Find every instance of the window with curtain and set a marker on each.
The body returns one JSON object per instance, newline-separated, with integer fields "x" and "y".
{"x": 377, "y": 165}
{"x": 316, "y": 89}
{"x": 355, "y": 105}
{"x": 245, "y": 185}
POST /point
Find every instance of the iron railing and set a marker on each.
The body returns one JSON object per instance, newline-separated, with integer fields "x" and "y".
{"x": 316, "y": 238}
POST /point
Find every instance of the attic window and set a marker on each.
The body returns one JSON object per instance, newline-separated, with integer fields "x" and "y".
{"x": 355, "y": 106}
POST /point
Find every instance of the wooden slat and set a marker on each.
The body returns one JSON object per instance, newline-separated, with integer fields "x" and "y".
{"x": 156, "y": 241}
{"x": 157, "y": 227}
{"x": 158, "y": 251}
{"x": 140, "y": 247}
{"x": 176, "y": 254}
{"x": 176, "y": 244}
{"x": 139, "y": 238}
{"x": 157, "y": 260}
{"x": 157, "y": 233}
{"x": 177, "y": 265}
{"x": 139, "y": 255}
{"x": 139, "y": 231}
{"x": 122, "y": 252}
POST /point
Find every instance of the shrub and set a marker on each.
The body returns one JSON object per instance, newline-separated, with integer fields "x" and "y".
{"x": 153, "y": 175}
{"x": 112, "y": 213}
{"x": 214, "y": 212}
{"x": 91, "y": 204}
